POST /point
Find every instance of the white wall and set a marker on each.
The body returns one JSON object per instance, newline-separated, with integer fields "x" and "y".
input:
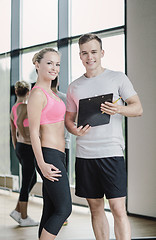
{"x": 141, "y": 66}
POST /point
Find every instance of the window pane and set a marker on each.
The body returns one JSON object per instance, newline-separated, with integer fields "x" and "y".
{"x": 39, "y": 21}
{"x": 114, "y": 57}
{"x": 5, "y": 116}
{"x": 28, "y": 69}
{"x": 5, "y": 25}
{"x": 91, "y": 15}
{"x": 77, "y": 68}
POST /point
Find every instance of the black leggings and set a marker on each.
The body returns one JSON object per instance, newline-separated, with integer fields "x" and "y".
{"x": 26, "y": 157}
{"x": 57, "y": 205}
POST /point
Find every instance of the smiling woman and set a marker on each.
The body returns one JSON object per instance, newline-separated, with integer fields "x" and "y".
{"x": 46, "y": 123}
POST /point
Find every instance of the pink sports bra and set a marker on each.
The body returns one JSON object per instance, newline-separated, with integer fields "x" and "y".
{"x": 14, "y": 110}
{"x": 54, "y": 110}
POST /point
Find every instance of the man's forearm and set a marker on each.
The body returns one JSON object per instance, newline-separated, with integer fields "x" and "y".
{"x": 131, "y": 110}
{"x": 71, "y": 127}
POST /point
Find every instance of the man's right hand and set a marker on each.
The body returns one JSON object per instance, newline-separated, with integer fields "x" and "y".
{"x": 71, "y": 126}
{"x": 81, "y": 131}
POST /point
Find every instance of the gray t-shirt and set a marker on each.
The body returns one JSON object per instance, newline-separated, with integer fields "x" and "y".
{"x": 105, "y": 140}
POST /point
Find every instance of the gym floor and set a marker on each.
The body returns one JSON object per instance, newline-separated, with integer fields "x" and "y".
{"x": 79, "y": 223}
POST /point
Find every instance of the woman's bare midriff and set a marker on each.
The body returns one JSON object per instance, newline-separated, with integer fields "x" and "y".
{"x": 52, "y": 136}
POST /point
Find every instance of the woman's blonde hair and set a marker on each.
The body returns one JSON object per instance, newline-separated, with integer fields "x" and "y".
{"x": 39, "y": 55}
{"x": 21, "y": 88}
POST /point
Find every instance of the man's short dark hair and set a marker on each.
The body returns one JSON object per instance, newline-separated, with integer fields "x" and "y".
{"x": 88, "y": 37}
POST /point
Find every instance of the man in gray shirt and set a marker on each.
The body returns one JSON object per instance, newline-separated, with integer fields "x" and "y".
{"x": 100, "y": 166}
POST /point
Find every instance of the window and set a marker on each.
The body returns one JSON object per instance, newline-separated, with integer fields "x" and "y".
{"x": 39, "y": 22}
{"x": 114, "y": 47}
{"x": 5, "y": 25}
{"x": 5, "y": 115}
{"x": 39, "y": 28}
{"x": 28, "y": 70}
{"x": 91, "y": 15}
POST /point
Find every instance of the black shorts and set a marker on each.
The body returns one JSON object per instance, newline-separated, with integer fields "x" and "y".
{"x": 101, "y": 176}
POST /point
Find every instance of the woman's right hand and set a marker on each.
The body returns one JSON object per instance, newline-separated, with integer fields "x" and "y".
{"x": 50, "y": 172}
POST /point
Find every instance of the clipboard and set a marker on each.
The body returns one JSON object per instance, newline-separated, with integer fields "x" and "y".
{"x": 90, "y": 113}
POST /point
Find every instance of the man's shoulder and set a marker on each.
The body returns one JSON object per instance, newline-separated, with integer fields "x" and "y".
{"x": 115, "y": 73}
{"x": 117, "y": 76}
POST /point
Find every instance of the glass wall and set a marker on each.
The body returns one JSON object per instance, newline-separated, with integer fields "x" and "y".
{"x": 5, "y": 42}
{"x": 39, "y": 27}
{"x": 39, "y": 22}
{"x": 5, "y": 25}
{"x": 92, "y": 16}
{"x": 28, "y": 72}
{"x": 5, "y": 115}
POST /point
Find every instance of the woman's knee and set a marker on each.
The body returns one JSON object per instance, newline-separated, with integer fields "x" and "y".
{"x": 65, "y": 210}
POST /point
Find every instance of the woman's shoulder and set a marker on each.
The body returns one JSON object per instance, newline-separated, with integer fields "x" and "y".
{"x": 36, "y": 93}
{"x": 36, "y": 97}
